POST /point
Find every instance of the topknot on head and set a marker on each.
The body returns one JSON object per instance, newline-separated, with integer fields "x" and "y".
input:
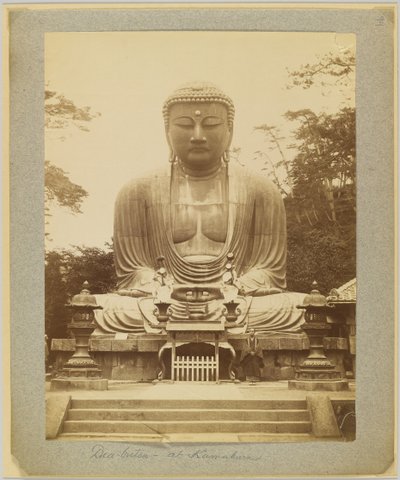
{"x": 199, "y": 92}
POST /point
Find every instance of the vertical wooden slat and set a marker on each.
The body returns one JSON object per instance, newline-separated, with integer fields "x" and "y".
{"x": 182, "y": 368}
{"x": 196, "y": 369}
{"x": 175, "y": 372}
{"x": 216, "y": 357}
{"x": 173, "y": 358}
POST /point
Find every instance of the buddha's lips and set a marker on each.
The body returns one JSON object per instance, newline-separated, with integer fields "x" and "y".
{"x": 199, "y": 149}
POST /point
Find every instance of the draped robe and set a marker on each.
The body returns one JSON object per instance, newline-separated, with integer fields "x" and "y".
{"x": 256, "y": 236}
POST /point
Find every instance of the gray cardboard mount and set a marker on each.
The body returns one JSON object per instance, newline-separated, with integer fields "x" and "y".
{"x": 372, "y": 451}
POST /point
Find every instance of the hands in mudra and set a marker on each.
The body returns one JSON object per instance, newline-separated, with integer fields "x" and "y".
{"x": 133, "y": 292}
{"x": 258, "y": 292}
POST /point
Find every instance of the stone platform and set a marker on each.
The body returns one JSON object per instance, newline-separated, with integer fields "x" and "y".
{"x": 136, "y": 358}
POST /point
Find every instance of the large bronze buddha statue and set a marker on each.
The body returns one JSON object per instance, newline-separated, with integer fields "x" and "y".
{"x": 195, "y": 213}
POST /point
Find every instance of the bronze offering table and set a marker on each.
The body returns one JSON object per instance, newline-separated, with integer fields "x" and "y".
{"x": 193, "y": 328}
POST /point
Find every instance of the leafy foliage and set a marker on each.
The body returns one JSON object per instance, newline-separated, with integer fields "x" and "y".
{"x": 330, "y": 68}
{"x": 65, "y": 272}
{"x": 278, "y": 170}
{"x": 318, "y": 181}
{"x": 322, "y": 208}
{"x": 60, "y": 112}
{"x": 323, "y": 169}
{"x": 59, "y": 188}
{"x": 325, "y": 252}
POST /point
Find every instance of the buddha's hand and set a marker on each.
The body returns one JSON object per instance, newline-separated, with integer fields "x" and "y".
{"x": 260, "y": 292}
{"x": 133, "y": 292}
{"x": 142, "y": 285}
{"x": 256, "y": 283}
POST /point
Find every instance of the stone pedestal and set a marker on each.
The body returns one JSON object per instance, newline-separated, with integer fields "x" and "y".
{"x": 314, "y": 385}
{"x": 66, "y": 384}
{"x": 80, "y": 371}
{"x": 317, "y": 372}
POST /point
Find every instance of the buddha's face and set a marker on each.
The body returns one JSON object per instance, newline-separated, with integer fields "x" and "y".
{"x": 199, "y": 133}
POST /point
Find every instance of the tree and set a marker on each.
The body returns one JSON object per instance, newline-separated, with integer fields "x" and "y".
{"x": 93, "y": 264}
{"x": 56, "y": 315}
{"x": 59, "y": 188}
{"x": 65, "y": 272}
{"x": 323, "y": 169}
{"x": 330, "y": 69}
{"x": 60, "y": 112}
{"x": 322, "y": 209}
{"x": 318, "y": 179}
{"x": 320, "y": 252}
{"x": 278, "y": 169}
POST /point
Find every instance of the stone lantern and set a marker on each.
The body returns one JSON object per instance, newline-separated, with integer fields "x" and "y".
{"x": 317, "y": 372}
{"x": 81, "y": 371}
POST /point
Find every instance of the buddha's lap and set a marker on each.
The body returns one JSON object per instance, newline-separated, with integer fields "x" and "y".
{"x": 276, "y": 312}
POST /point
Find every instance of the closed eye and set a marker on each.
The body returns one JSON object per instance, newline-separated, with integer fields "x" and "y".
{"x": 212, "y": 121}
{"x": 183, "y": 122}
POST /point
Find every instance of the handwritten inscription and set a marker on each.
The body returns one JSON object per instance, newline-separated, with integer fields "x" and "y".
{"x": 100, "y": 452}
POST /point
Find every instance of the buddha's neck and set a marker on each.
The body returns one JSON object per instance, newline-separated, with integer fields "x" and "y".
{"x": 200, "y": 172}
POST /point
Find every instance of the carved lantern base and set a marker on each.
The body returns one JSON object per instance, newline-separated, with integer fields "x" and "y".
{"x": 81, "y": 371}
{"x": 317, "y": 372}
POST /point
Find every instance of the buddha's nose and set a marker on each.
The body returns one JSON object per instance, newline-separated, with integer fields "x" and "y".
{"x": 198, "y": 135}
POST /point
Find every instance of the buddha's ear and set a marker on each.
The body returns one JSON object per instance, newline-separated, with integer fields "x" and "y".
{"x": 168, "y": 135}
{"x": 230, "y": 135}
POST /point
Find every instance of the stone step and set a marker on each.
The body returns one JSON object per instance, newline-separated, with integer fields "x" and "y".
{"x": 126, "y": 414}
{"x": 157, "y": 427}
{"x": 132, "y": 437}
{"x": 206, "y": 404}
{"x": 199, "y": 437}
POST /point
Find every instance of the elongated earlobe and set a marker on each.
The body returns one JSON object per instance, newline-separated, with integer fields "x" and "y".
{"x": 226, "y": 157}
{"x": 173, "y": 158}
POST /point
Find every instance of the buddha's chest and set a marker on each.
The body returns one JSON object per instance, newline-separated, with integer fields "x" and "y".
{"x": 199, "y": 213}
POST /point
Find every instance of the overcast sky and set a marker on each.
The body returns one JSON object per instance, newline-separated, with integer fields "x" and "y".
{"x": 126, "y": 76}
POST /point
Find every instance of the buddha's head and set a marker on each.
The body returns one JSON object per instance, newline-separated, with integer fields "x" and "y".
{"x": 199, "y": 123}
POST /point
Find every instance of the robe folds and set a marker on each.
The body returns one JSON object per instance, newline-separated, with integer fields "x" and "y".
{"x": 256, "y": 235}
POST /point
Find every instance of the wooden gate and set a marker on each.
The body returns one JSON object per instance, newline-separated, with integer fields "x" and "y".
{"x": 195, "y": 369}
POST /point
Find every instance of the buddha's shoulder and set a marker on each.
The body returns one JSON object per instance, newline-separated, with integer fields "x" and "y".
{"x": 142, "y": 185}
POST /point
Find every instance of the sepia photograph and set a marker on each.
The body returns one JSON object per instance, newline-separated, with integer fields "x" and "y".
{"x": 200, "y": 267}
{"x": 199, "y": 231}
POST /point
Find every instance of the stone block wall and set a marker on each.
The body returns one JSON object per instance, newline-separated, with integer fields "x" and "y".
{"x": 136, "y": 358}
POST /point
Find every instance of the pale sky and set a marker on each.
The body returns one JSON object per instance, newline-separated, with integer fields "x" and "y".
{"x": 126, "y": 76}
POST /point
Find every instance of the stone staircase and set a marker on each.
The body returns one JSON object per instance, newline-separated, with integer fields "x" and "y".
{"x": 153, "y": 419}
